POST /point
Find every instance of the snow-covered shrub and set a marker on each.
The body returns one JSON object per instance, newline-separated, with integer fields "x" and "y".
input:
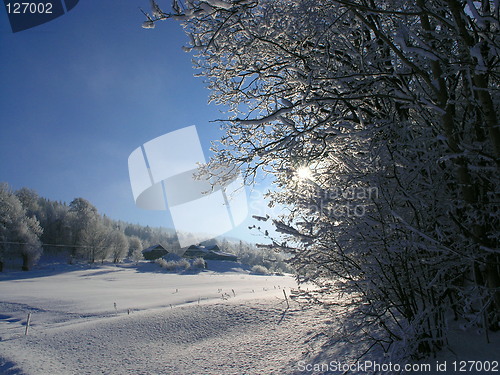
{"x": 171, "y": 265}
{"x": 161, "y": 262}
{"x": 260, "y": 270}
{"x": 251, "y": 255}
{"x": 198, "y": 263}
{"x": 183, "y": 264}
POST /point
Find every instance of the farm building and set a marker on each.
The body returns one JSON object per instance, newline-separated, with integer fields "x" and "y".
{"x": 208, "y": 252}
{"x": 154, "y": 252}
{"x": 195, "y": 251}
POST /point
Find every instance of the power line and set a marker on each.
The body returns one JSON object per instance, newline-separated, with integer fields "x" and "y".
{"x": 50, "y": 244}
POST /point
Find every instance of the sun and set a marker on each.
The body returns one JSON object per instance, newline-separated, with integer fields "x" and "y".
{"x": 304, "y": 173}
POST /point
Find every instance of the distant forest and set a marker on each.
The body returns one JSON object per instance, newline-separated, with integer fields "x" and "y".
{"x": 31, "y": 225}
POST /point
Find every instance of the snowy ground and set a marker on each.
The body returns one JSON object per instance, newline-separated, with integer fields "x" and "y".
{"x": 227, "y": 322}
{"x": 215, "y": 322}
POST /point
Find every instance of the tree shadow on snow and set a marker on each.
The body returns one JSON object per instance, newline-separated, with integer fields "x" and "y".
{"x": 9, "y": 368}
{"x": 43, "y": 271}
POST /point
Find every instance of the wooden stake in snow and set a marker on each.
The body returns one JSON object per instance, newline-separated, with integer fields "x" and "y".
{"x": 28, "y": 320}
{"x": 286, "y": 298}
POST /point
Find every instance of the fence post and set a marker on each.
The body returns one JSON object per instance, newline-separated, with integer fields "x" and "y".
{"x": 286, "y": 298}
{"x": 28, "y": 320}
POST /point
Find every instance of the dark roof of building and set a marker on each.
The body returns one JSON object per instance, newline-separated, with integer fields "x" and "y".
{"x": 209, "y": 252}
{"x": 154, "y": 247}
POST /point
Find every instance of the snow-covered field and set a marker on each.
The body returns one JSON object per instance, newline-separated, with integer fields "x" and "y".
{"x": 227, "y": 322}
{"x": 130, "y": 319}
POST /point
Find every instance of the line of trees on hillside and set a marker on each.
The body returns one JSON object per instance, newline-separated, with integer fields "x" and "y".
{"x": 31, "y": 225}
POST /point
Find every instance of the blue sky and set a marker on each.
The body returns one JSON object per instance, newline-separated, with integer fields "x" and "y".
{"x": 80, "y": 93}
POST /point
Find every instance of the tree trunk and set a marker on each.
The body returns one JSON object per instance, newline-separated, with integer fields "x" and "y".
{"x": 26, "y": 266}
{"x": 493, "y": 283}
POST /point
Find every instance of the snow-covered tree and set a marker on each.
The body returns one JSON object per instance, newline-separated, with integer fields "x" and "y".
{"x": 119, "y": 245}
{"x": 379, "y": 122}
{"x": 91, "y": 244}
{"x": 85, "y": 213}
{"x": 30, "y": 201}
{"x": 135, "y": 248}
{"x": 19, "y": 233}
{"x": 56, "y": 220}
{"x": 89, "y": 231}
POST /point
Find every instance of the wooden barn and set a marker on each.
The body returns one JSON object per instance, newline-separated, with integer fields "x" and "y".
{"x": 154, "y": 252}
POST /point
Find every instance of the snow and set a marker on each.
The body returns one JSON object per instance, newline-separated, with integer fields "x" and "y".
{"x": 95, "y": 290}
{"x": 182, "y": 340}
{"x": 219, "y": 4}
{"x": 163, "y": 323}
{"x": 138, "y": 319}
